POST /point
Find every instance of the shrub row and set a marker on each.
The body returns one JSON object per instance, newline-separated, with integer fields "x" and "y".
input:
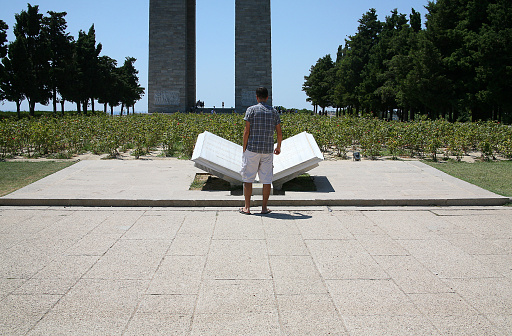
{"x": 176, "y": 135}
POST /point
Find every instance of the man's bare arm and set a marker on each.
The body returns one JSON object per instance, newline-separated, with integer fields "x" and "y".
{"x": 247, "y": 131}
{"x": 277, "y": 151}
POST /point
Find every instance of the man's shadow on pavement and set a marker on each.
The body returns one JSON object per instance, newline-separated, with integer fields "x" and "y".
{"x": 285, "y": 216}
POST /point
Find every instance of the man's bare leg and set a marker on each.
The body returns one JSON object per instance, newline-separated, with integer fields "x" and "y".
{"x": 247, "y": 194}
{"x": 266, "y": 195}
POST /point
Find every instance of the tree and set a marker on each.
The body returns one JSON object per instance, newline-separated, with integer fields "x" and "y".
{"x": 132, "y": 90}
{"x": 415, "y": 20}
{"x": 378, "y": 86}
{"x": 111, "y": 85}
{"x": 13, "y": 77}
{"x": 10, "y": 81}
{"x": 72, "y": 86}
{"x": 3, "y": 38}
{"x": 426, "y": 86}
{"x": 459, "y": 65}
{"x": 32, "y": 52}
{"x": 319, "y": 84}
{"x": 60, "y": 44}
{"x": 454, "y": 28}
{"x": 354, "y": 57}
{"x": 44, "y": 62}
{"x": 87, "y": 53}
{"x": 3, "y": 53}
{"x": 494, "y": 71}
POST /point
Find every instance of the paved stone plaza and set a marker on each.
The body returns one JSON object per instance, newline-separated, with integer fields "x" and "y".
{"x": 301, "y": 271}
{"x": 166, "y": 183}
{"x": 317, "y": 270}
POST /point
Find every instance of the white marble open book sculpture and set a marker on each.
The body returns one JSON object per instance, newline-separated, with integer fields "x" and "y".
{"x": 223, "y": 158}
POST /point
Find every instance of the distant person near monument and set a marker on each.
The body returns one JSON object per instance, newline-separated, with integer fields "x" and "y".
{"x": 258, "y": 148}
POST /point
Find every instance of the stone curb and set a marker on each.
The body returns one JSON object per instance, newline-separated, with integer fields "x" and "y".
{"x": 498, "y": 201}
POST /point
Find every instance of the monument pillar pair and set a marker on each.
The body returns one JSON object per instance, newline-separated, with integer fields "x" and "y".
{"x": 172, "y": 54}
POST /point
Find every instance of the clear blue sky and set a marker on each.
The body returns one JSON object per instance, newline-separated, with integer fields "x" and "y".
{"x": 302, "y": 32}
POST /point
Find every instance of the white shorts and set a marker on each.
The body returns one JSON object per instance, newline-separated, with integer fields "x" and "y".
{"x": 253, "y": 163}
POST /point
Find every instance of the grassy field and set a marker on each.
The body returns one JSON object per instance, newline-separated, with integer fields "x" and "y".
{"x": 16, "y": 175}
{"x": 492, "y": 176}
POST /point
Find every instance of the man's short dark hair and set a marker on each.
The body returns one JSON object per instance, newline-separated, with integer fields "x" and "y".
{"x": 262, "y": 92}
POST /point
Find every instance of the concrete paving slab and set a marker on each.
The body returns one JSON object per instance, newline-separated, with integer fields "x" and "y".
{"x": 370, "y": 297}
{"x": 344, "y": 260}
{"x": 380, "y": 245}
{"x": 446, "y": 260}
{"x": 398, "y": 224}
{"x": 167, "y": 304}
{"x": 238, "y": 259}
{"x": 474, "y": 246}
{"x": 234, "y": 226}
{"x": 158, "y": 183}
{"x": 411, "y": 276}
{"x": 311, "y": 314}
{"x": 332, "y": 228}
{"x": 291, "y": 245}
{"x": 155, "y": 227}
{"x": 236, "y": 296}
{"x": 296, "y": 275}
{"x": 280, "y": 276}
{"x": 178, "y": 275}
{"x": 18, "y": 313}
{"x": 466, "y": 325}
{"x": 412, "y": 325}
{"x": 264, "y": 324}
{"x": 129, "y": 260}
{"x": 504, "y": 322}
{"x": 484, "y": 225}
{"x": 92, "y": 307}
{"x": 189, "y": 245}
{"x": 158, "y": 324}
{"x": 487, "y": 295}
{"x": 442, "y": 304}
{"x": 499, "y": 263}
{"x": 37, "y": 286}
{"x": 8, "y": 286}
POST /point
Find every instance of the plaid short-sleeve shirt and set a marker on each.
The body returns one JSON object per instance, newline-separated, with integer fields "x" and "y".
{"x": 263, "y": 120}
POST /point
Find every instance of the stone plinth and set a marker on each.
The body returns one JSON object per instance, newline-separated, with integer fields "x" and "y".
{"x": 253, "y": 56}
{"x": 172, "y": 55}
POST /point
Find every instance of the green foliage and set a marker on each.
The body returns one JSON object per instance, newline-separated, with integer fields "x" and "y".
{"x": 3, "y": 38}
{"x": 176, "y": 134}
{"x": 458, "y": 67}
{"x": 318, "y": 84}
{"x": 45, "y": 63}
{"x": 30, "y": 55}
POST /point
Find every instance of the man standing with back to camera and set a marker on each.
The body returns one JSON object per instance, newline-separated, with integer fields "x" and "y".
{"x": 260, "y": 122}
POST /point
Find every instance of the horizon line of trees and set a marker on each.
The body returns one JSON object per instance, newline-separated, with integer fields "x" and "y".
{"x": 457, "y": 66}
{"x": 44, "y": 63}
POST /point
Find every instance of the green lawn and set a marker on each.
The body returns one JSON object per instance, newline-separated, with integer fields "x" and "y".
{"x": 15, "y": 175}
{"x": 492, "y": 176}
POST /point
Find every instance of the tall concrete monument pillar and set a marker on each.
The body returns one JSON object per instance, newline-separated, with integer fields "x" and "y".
{"x": 253, "y": 57}
{"x": 172, "y": 54}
